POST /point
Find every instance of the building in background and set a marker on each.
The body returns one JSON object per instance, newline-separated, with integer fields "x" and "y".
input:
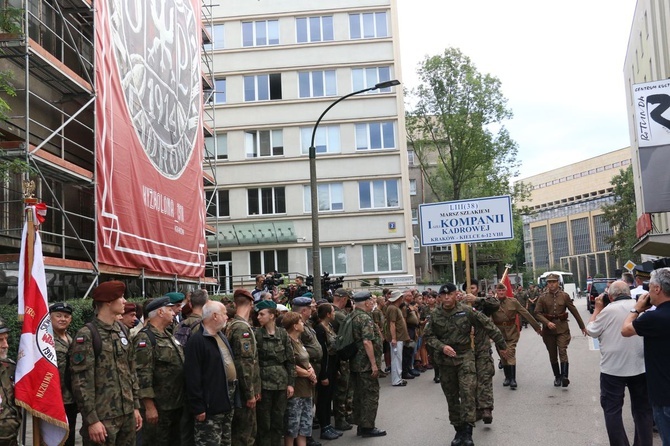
{"x": 277, "y": 67}
{"x": 647, "y": 59}
{"x": 564, "y": 228}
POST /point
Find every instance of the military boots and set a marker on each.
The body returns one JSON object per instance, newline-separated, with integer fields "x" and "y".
{"x": 458, "y": 439}
{"x": 557, "y": 375}
{"x": 512, "y": 377}
{"x": 467, "y": 436}
{"x": 507, "y": 374}
{"x": 564, "y": 374}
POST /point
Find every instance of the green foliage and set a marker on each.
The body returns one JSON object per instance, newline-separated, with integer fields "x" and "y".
{"x": 621, "y": 216}
{"x": 14, "y": 166}
{"x": 10, "y": 20}
{"x": 6, "y": 88}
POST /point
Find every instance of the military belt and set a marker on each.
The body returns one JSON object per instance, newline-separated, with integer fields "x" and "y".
{"x": 506, "y": 324}
{"x": 554, "y": 317}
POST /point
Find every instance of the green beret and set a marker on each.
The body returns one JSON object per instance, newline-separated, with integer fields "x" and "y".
{"x": 308, "y": 294}
{"x": 265, "y": 304}
{"x": 175, "y": 297}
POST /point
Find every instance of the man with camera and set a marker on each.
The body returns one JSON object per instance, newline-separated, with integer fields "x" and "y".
{"x": 621, "y": 366}
{"x": 654, "y": 327}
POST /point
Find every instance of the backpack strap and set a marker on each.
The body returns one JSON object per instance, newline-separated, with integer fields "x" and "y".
{"x": 95, "y": 337}
{"x": 150, "y": 334}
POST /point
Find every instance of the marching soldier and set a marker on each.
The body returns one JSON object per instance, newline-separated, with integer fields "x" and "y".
{"x": 10, "y": 416}
{"x": 550, "y": 309}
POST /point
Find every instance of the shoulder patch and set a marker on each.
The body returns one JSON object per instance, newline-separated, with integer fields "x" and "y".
{"x": 245, "y": 335}
{"x": 78, "y": 358}
{"x": 80, "y": 340}
{"x": 141, "y": 344}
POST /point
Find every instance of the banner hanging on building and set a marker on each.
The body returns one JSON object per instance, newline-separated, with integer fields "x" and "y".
{"x": 466, "y": 221}
{"x": 652, "y": 129}
{"x": 149, "y": 136}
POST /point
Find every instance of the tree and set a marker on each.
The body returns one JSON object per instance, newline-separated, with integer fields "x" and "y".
{"x": 621, "y": 216}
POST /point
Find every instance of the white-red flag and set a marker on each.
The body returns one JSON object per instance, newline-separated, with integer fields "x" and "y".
{"x": 37, "y": 386}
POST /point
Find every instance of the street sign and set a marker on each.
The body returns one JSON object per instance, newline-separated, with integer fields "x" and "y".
{"x": 629, "y": 265}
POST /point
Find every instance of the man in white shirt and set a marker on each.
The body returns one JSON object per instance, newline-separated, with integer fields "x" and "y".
{"x": 621, "y": 366}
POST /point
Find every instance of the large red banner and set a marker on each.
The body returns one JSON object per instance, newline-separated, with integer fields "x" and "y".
{"x": 149, "y": 140}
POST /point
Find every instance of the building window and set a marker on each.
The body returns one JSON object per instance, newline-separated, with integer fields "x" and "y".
{"x": 410, "y": 157}
{"x": 314, "y": 29}
{"x": 540, "y": 247}
{"x": 217, "y": 34}
{"x": 261, "y": 262}
{"x": 603, "y": 232}
{"x": 331, "y": 197}
{"x": 363, "y": 78}
{"x": 368, "y": 25}
{"x": 415, "y": 216}
{"x": 375, "y": 136}
{"x": 417, "y": 245}
{"x": 315, "y": 84}
{"x": 378, "y": 194}
{"x": 260, "y": 33}
{"x": 333, "y": 260}
{"x": 220, "y": 91}
{"x": 266, "y": 201}
{"x": 260, "y": 143}
{"x": 412, "y": 187}
{"x": 218, "y": 151}
{"x": 218, "y": 203}
{"x": 262, "y": 87}
{"x": 559, "y": 241}
{"x": 581, "y": 235}
{"x": 326, "y": 140}
{"x": 382, "y": 258}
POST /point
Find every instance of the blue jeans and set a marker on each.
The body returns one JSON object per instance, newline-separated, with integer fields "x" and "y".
{"x": 662, "y": 418}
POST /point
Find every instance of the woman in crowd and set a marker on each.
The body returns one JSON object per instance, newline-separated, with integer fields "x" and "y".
{"x": 328, "y": 375}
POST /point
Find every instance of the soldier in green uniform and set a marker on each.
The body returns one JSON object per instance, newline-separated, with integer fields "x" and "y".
{"x": 10, "y": 416}
{"x": 505, "y": 320}
{"x": 448, "y": 333}
{"x": 61, "y": 318}
{"x": 343, "y": 397}
{"x": 364, "y": 368}
{"x": 160, "y": 374}
{"x": 277, "y": 365}
{"x": 243, "y": 342}
{"x": 104, "y": 383}
{"x": 550, "y": 309}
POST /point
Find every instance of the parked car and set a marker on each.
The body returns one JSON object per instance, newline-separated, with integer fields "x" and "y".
{"x": 595, "y": 289}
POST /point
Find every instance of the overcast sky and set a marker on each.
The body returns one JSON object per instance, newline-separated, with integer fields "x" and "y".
{"x": 560, "y": 64}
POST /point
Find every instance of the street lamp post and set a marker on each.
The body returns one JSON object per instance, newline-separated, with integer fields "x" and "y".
{"x": 316, "y": 250}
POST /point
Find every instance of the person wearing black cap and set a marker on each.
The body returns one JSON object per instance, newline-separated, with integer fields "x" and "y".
{"x": 61, "y": 318}
{"x": 10, "y": 415}
{"x": 104, "y": 384}
{"x": 449, "y": 335}
{"x": 364, "y": 368}
{"x": 160, "y": 363}
{"x": 343, "y": 395}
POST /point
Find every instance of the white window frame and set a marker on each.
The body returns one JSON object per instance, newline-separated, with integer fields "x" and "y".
{"x": 326, "y": 192}
{"x": 379, "y": 250}
{"x": 364, "y": 131}
{"x": 308, "y": 29}
{"x": 265, "y": 81}
{"x": 268, "y": 25}
{"x": 417, "y": 245}
{"x": 327, "y": 78}
{"x": 412, "y": 186}
{"x": 368, "y": 77}
{"x": 218, "y": 35}
{"x": 254, "y": 138}
{"x": 357, "y": 22}
{"x": 371, "y": 187}
{"x": 220, "y": 91}
{"x": 259, "y": 191}
{"x": 326, "y": 140}
{"x": 411, "y": 157}
{"x": 220, "y": 149}
{"x": 334, "y": 254}
{"x": 265, "y": 268}
{"x": 415, "y": 216}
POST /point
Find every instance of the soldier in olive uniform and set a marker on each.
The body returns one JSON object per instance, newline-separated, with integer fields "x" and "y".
{"x": 364, "y": 368}
{"x": 448, "y": 333}
{"x": 505, "y": 320}
{"x": 243, "y": 342}
{"x": 343, "y": 397}
{"x": 160, "y": 375}
{"x": 61, "y": 318}
{"x": 10, "y": 416}
{"x": 277, "y": 365}
{"x": 550, "y": 309}
{"x": 104, "y": 383}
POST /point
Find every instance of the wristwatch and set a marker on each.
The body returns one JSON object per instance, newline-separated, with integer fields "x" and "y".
{"x": 633, "y": 310}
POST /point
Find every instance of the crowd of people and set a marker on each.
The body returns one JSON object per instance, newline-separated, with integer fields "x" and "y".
{"x": 251, "y": 370}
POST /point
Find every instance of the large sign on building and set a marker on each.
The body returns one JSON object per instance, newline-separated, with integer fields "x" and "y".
{"x": 652, "y": 119}
{"x": 466, "y": 221}
{"x": 149, "y": 139}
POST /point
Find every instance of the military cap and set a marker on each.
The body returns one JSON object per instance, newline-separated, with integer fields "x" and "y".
{"x": 61, "y": 307}
{"x": 301, "y": 301}
{"x": 159, "y": 302}
{"x": 641, "y": 272}
{"x": 242, "y": 292}
{"x": 109, "y": 291}
{"x": 362, "y": 296}
{"x": 307, "y": 294}
{"x": 551, "y": 277}
{"x": 281, "y": 308}
{"x": 129, "y": 307}
{"x": 447, "y": 288}
{"x": 3, "y": 327}
{"x": 501, "y": 286}
{"x": 322, "y": 301}
{"x": 175, "y": 297}
{"x": 395, "y": 295}
{"x": 341, "y": 292}
{"x": 265, "y": 304}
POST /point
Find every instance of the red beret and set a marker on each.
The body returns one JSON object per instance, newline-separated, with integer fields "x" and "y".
{"x": 109, "y": 291}
{"x": 243, "y": 292}
{"x": 129, "y": 307}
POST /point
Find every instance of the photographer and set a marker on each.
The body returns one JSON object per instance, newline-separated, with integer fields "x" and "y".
{"x": 621, "y": 366}
{"x": 259, "y": 288}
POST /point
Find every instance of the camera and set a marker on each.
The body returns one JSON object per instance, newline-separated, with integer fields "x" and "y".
{"x": 272, "y": 280}
{"x": 645, "y": 286}
{"x": 606, "y": 299}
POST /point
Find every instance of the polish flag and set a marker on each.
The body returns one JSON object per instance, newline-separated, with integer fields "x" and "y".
{"x": 37, "y": 385}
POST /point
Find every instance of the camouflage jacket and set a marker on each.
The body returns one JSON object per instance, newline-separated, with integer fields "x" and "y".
{"x": 243, "y": 342}
{"x": 160, "y": 368}
{"x": 275, "y": 358}
{"x": 104, "y": 387}
{"x": 340, "y": 316}
{"x": 10, "y": 416}
{"x": 311, "y": 343}
{"x": 62, "y": 347}
{"x": 454, "y": 327}
{"x": 364, "y": 329}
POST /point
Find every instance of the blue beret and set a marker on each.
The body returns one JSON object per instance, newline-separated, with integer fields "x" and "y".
{"x": 302, "y": 301}
{"x": 159, "y": 302}
{"x": 175, "y": 297}
{"x": 362, "y": 296}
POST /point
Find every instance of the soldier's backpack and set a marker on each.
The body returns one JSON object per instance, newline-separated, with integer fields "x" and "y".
{"x": 345, "y": 345}
{"x": 184, "y": 331}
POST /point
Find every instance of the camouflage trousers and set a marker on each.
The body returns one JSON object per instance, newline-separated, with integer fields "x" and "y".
{"x": 558, "y": 342}
{"x": 485, "y": 373}
{"x": 166, "y": 433}
{"x": 244, "y": 426}
{"x": 120, "y": 431}
{"x": 366, "y": 399}
{"x": 459, "y": 387}
{"x": 270, "y": 417}
{"x": 214, "y": 431}
{"x": 344, "y": 395}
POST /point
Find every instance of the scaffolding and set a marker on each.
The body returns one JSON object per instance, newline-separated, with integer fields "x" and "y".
{"x": 51, "y": 127}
